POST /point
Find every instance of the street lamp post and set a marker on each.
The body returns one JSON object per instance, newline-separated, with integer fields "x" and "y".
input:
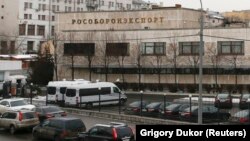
{"x": 118, "y": 80}
{"x": 164, "y": 104}
{"x": 99, "y": 92}
{"x": 31, "y": 85}
{"x": 141, "y": 93}
{"x": 200, "y": 66}
{"x": 190, "y": 105}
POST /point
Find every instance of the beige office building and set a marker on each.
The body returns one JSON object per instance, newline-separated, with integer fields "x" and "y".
{"x": 154, "y": 46}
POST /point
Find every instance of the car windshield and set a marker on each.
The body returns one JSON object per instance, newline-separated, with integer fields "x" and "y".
{"x": 51, "y": 109}
{"x": 135, "y": 104}
{"x": 192, "y": 109}
{"x": 172, "y": 106}
{"x": 17, "y": 103}
{"x": 153, "y": 105}
{"x": 243, "y": 113}
{"x": 246, "y": 96}
{"x": 223, "y": 96}
{"x": 29, "y": 115}
{"x": 74, "y": 124}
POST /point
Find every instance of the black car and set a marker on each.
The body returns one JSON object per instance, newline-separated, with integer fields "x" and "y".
{"x": 241, "y": 117}
{"x": 172, "y": 111}
{"x": 209, "y": 114}
{"x": 45, "y": 112}
{"x": 223, "y": 100}
{"x": 108, "y": 132}
{"x": 59, "y": 129}
{"x": 154, "y": 109}
{"x": 244, "y": 101}
{"x": 135, "y": 107}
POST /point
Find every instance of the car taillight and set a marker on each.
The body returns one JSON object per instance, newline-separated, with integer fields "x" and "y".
{"x": 136, "y": 109}
{"x": 150, "y": 110}
{"x": 64, "y": 114}
{"x": 114, "y": 133}
{"x": 188, "y": 114}
{"x": 168, "y": 112}
{"x": 244, "y": 120}
{"x": 64, "y": 134}
{"x": 49, "y": 115}
{"x": 20, "y": 116}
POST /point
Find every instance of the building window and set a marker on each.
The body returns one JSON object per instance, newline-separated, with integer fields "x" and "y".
{"x": 43, "y": 17}
{"x": 26, "y": 5}
{"x": 189, "y": 48}
{"x": 30, "y": 45}
{"x": 22, "y": 28}
{"x": 12, "y": 47}
{"x": 2, "y": 6}
{"x": 2, "y": 17}
{"x": 103, "y": 3}
{"x": 153, "y": 48}
{"x": 25, "y": 16}
{"x": 53, "y": 18}
{"x": 4, "y": 47}
{"x": 53, "y": 8}
{"x": 52, "y": 30}
{"x": 31, "y": 29}
{"x": 30, "y": 5}
{"x": 230, "y": 48}
{"x": 57, "y": 8}
{"x": 83, "y": 49}
{"x": 30, "y": 16}
{"x": 40, "y": 30}
{"x": 128, "y": 6}
{"x": 117, "y": 49}
{"x": 69, "y": 9}
{"x": 44, "y": 7}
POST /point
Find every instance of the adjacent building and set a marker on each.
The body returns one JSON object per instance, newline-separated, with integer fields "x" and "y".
{"x": 26, "y": 24}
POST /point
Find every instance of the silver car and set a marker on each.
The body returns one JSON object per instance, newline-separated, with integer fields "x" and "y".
{"x": 14, "y": 120}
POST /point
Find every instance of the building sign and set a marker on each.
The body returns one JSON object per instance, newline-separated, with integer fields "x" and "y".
{"x": 118, "y": 20}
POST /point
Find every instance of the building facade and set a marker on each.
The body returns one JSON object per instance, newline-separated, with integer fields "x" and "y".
{"x": 25, "y": 24}
{"x": 153, "y": 48}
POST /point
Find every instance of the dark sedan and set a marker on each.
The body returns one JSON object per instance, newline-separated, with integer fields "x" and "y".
{"x": 209, "y": 114}
{"x": 135, "y": 107}
{"x": 154, "y": 109}
{"x": 45, "y": 112}
{"x": 172, "y": 111}
{"x": 244, "y": 101}
{"x": 223, "y": 101}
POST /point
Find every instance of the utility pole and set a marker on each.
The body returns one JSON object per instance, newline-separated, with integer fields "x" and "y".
{"x": 200, "y": 66}
{"x": 49, "y": 19}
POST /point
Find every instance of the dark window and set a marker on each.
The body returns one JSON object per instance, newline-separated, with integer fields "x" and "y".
{"x": 9, "y": 115}
{"x": 2, "y": 6}
{"x": 230, "y": 48}
{"x": 56, "y": 124}
{"x": 43, "y": 17}
{"x": 2, "y": 17}
{"x": 51, "y": 90}
{"x": 40, "y": 30}
{"x": 53, "y": 18}
{"x": 85, "y": 49}
{"x": 74, "y": 124}
{"x": 29, "y": 115}
{"x": 31, "y": 29}
{"x": 124, "y": 132}
{"x": 30, "y": 45}
{"x": 153, "y": 48}
{"x": 12, "y": 47}
{"x": 71, "y": 93}
{"x": 62, "y": 90}
{"x": 105, "y": 90}
{"x": 88, "y": 92}
{"x": 52, "y": 30}
{"x": 4, "y": 47}
{"x": 189, "y": 48}
{"x": 22, "y": 28}
{"x": 25, "y": 16}
{"x": 117, "y": 49}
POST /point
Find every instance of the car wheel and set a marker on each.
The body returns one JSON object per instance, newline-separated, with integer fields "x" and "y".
{"x": 89, "y": 105}
{"x": 12, "y": 129}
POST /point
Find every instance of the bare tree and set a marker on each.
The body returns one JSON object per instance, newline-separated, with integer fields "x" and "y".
{"x": 215, "y": 61}
{"x": 159, "y": 62}
{"x": 72, "y": 54}
{"x": 193, "y": 61}
{"x": 172, "y": 56}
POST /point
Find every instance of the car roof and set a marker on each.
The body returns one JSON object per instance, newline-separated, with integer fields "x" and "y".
{"x": 113, "y": 124}
{"x": 12, "y": 99}
{"x": 47, "y": 106}
{"x": 65, "y": 118}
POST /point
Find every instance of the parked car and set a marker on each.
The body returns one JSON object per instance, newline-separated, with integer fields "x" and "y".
{"x": 223, "y": 100}
{"x": 3, "y": 109}
{"x": 16, "y": 104}
{"x": 209, "y": 114}
{"x": 108, "y": 132}
{"x": 173, "y": 110}
{"x": 59, "y": 129}
{"x": 154, "y": 109}
{"x": 244, "y": 101}
{"x": 15, "y": 120}
{"x": 135, "y": 107}
{"x": 241, "y": 117}
{"x": 45, "y": 112}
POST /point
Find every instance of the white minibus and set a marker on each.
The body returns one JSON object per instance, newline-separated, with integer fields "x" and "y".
{"x": 87, "y": 95}
{"x": 56, "y": 89}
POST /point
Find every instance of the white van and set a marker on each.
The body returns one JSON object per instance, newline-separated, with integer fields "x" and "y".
{"x": 87, "y": 95}
{"x": 56, "y": 89}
